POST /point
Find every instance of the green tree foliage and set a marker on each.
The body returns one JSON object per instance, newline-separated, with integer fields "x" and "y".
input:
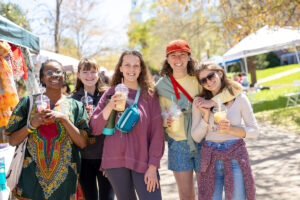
{"x": 15, "y": 14}
{"x": 240, "y": 18}
{"x": 267, "y": 60}
{"x": 172, "y": 22}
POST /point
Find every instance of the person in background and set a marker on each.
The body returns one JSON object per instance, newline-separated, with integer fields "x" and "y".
{"x": 95, "y": 186}
{"x": 55, "y": 135}
{"x": 179, "y": 81}
{"x": 224, "y": 158}
{"x": 131, "y": 160}
{"x": 235, "y": 77}
{"x": 240, "y": 78}
{"x": 66, "y": 89}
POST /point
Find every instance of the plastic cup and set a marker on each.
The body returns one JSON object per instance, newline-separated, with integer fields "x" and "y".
{"x": 121, "y": 90}
{"x": 219, "y": 116}
{"x": 42, "y": 103}
{"x": 88, "y": 103}
{"x": 175, "y": 126}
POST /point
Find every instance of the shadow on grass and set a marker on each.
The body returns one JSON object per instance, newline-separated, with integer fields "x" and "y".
{"x": 280, "y": 102}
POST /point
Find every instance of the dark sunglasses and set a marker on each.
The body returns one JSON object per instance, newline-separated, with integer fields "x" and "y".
{"x": 210, "y": 76}
{"x": 51, "y": 73}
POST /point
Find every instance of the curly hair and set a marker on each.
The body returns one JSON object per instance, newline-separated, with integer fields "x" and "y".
{"x": 44, "y": 64}
{"x": 225, "y": 81}
{"x": 88, "y": 64}
{"x": 168, "y": 71}
{"x": 144, "y": 79}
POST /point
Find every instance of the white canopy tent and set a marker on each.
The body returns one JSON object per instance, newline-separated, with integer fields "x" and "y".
{"x": 68, "y": 62}
{"x": 265, "y": 40}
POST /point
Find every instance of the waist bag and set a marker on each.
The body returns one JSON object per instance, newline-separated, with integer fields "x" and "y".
{"x": 130, "y": 116}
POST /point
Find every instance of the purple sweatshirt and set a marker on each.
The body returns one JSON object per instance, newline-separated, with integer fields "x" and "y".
{"x": 139, "y": 148}
{"x": 207, "y": 178}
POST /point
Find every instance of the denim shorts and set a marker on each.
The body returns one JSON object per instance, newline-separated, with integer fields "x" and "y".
{"x": 180, "y": 158}
{"x": 221, "y": 145}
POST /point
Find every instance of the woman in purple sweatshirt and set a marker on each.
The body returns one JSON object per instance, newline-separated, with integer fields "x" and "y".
{"x": 130, "y": 160}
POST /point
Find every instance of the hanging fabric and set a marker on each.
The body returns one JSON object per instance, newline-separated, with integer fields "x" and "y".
{"x": 32, "y": 84}
{"x": 8, "y": 93}
{"x": 17, "y": 62}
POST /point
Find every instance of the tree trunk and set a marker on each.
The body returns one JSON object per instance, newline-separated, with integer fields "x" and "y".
{"x": 252, "y": 69}
{"x": 56, "y": 31}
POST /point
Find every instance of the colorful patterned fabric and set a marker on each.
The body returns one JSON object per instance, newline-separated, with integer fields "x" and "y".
{"x": 17, "y": 62}
{"x": 180, "y": 158}
{"x": 52, "y": 162}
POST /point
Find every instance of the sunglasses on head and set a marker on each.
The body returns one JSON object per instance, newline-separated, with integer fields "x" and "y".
{"x": 51, "y": 73}
{"x": 210, "y": 76}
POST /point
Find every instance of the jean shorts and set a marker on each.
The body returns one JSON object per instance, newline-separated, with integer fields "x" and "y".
{"x": 180, "y": 158}
{"x": 222, "y": 145}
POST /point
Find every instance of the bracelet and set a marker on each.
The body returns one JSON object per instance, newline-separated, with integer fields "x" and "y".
{"x": 30, "y": 130}
{"x": 30, "y": 126}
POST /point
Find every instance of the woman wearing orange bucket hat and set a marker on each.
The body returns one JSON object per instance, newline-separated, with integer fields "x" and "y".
{"x": 177, "y": 89}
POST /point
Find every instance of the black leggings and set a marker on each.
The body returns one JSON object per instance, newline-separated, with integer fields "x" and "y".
{"x": 126, "y": 181}
{"x": 90, "y": 177}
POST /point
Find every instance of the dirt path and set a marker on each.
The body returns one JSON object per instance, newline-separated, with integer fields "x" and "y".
{"x": 275, "y": 160}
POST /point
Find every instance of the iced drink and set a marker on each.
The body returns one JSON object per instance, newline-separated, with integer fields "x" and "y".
{"x": 175, "y": 123}
{"x": 121, "y": 90}
{"x": 42, "y": 103}
{"x": 175, "y": 120}
{"x": 220, "y": 116}
{"x": 122, "y": 104}
{"x": 88, "y": 103}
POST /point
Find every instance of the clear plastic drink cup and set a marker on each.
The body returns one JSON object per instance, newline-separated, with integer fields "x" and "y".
{"x": 175, "y": 120}
{"x": 219, "y": 116}
{"x": 88, "y": 103}
{"x": 42, "y": 103}
{"x": 122, "y": 90}
{"x": 165, "y": 115}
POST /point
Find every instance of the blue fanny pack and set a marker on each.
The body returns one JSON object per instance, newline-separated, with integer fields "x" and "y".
{"x": 130, "y": 116}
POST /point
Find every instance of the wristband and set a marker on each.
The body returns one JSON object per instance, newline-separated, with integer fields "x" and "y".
{"x": 30, "y": 130}
{"x": 30, "y": 126}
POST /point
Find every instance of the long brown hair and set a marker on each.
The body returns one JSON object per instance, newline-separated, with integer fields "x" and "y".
{"x": 88, "y": 64}
{"x": 168, "y": 71}
{"x": 225, "y": 81}
{"x": 144, "y": 79}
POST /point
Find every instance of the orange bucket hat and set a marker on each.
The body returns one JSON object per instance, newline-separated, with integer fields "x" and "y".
{"x": 178, "y": 45}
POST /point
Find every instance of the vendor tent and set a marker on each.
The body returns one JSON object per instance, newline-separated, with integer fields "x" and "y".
{"x": 15, "y": 34}
{"x": 220, "y": 61}
{"x": 69, "y": 63}
{"x": 265, "y": 40}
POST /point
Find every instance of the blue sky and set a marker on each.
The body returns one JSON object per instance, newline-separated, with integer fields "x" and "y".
{"x": 116, "y": 18}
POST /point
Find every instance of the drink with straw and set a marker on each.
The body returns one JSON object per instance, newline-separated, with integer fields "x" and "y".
{"x": 42, "y": 102}
{"x": 175, "y": 114}
{"x": 88, "y": 103}
{"x": 220, "y": 114}
{"x": 122, "y": 90}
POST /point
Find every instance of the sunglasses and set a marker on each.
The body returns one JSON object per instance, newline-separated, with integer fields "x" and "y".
{"x": 51, "y": 73}
{"x": 210, "y": 76}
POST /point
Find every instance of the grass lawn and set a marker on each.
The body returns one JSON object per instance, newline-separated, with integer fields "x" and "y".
{"x": 284, "y": 80}
{"x": 287, "y": 119}
{"x": 269, "y": 99}
{"x": 269, "y": 107}
{"x": 260, "y": 74}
